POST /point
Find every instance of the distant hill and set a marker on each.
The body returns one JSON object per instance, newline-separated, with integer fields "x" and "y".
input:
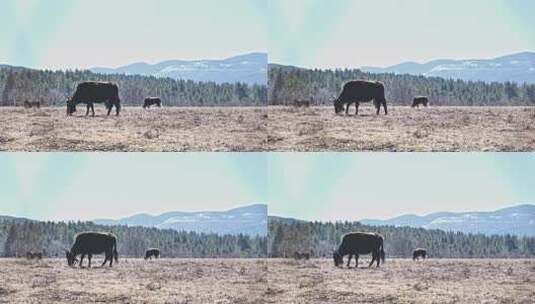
{"x": 518, "y": 220}
{"x": 250, "y": 220}
{"x": 518, "y": 67}
{"x": 249, "y": 68}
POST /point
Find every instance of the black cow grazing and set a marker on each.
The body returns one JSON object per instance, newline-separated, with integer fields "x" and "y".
{"x": 31, "y": 104}
{"x": 301, "y": 256}
{"x": 34, "y": 255}
{"x": 420, "y": 100}
{"x": 419, "y": 252}
{"x": 356, "y": 243}
{"x": 149, "y": 101}
{"x": 93, "y": 243}
{"x": 95, "y": 92}
{"x": 152, "y": 252}
{"x": 358, "y": 91}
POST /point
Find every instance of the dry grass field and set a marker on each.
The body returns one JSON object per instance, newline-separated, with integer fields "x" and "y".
{"x": 403, "y": 281}
{"x": 136, "y": 129}
{"x": 403, "y": 129}
{"x": 134, "y": 281}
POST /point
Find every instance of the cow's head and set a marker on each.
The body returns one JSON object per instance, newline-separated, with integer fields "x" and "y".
{"x": 338, "y": 259}
{"x": 338, "y": 106}
{"x": 70, "y": 258}
{"x": 71, "y": 106}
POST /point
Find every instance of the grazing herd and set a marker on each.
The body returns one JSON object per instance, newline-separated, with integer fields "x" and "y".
{"x": 355, "y": 91}
{"x": 353, "y": 244}
{"x": 91, "y": 92}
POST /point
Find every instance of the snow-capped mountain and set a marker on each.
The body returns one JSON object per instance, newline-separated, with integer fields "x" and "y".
{"x": 249, "y": 68}
{"x": 519, "y": 67}
{"x": 517, "y": 220}
{"x": 251, "y": 220}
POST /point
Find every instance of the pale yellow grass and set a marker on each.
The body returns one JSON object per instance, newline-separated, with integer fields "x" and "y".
{"x": 403, "y": 129}
{"x": 403, "y": 281}
{"x": 134, "y": 281}
{"x": 136, "y": 129}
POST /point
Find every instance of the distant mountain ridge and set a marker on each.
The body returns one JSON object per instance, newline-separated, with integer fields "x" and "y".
{"x": 250, "y": 220}
{"x": 248, "y": 68}
{"x": 517, "y": 220}
{"x": 518, "y": 67}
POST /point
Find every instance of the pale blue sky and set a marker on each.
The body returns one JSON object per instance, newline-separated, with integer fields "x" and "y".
{"x": 65, "y": 186}
{"x": 354, "y": 33}
{"x": 353, "y": 186}
{"x": 80, "y": 34}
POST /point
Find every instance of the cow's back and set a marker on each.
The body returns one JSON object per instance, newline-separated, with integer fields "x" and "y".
{"x": 362, "y": 90}
{"x": 94, "y": 242}
{"x": 96, "y": 92}
{"x": 360, "y": 242}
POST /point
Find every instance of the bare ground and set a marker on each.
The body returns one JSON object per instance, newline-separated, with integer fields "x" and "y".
{"x": 403, "y": 281}
{"x": 134, "y": 281}
{"x": 403, "y": 129}
{"x": 136, "y": 129}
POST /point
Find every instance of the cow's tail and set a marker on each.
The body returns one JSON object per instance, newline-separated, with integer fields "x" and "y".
{"x": 115, "y": 254}
{"x": 381, "y": 250}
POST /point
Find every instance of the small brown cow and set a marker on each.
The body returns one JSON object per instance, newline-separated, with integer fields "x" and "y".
{"x": 34, "y": 255}
{"x": 31, "y": 104}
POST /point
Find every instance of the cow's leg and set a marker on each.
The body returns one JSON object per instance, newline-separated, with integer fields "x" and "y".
{"x": 356, "y": 108}
{"x": 82, "y": 260}
{"x": 107, "y": 256}
{"x": 87, "y": 110}
{"x": 117, "y": 109}
{"x": 347, "y": 108}
{"x": 356, "y": 261}
{"x": 89, "y": 256}
{"x": 384, "y": 107}
{"x": 378, "y": 258}
{"x": 92, "y": 109}
{"x": 373, "y": 260}
{"x": 377, "y": 108}
{"x": 109, "y": 109}
{"x": 349, "y": 260}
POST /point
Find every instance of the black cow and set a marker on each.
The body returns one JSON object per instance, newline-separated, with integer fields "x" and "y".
{"x": 95, "y": 92}
{"x": 419, "y": 252}
{"x": 358, "y": 91}
{"x": 301, "y": 256}
{"x": 93, "y": 243}
{"x": 152, "y": 252}
{"x": 32, "y": 104}
{"x": 149, "y": 101}
{"x": 356, "y": 243}
{"x": 420, "y": 100}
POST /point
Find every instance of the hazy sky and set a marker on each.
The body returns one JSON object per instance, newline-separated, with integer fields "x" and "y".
{"x": 353, "y": 186}
{"x": 75, "y": 33}
{"x": 64, "y": 186}
{"x": 354, "y": 33}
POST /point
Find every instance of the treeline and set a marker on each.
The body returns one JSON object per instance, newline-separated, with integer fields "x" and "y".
{"x": 53, "y": 87}
{"x": 288, "y": 83}
{"x": 321, "y": 238}
{"x": 52, "y": 238}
